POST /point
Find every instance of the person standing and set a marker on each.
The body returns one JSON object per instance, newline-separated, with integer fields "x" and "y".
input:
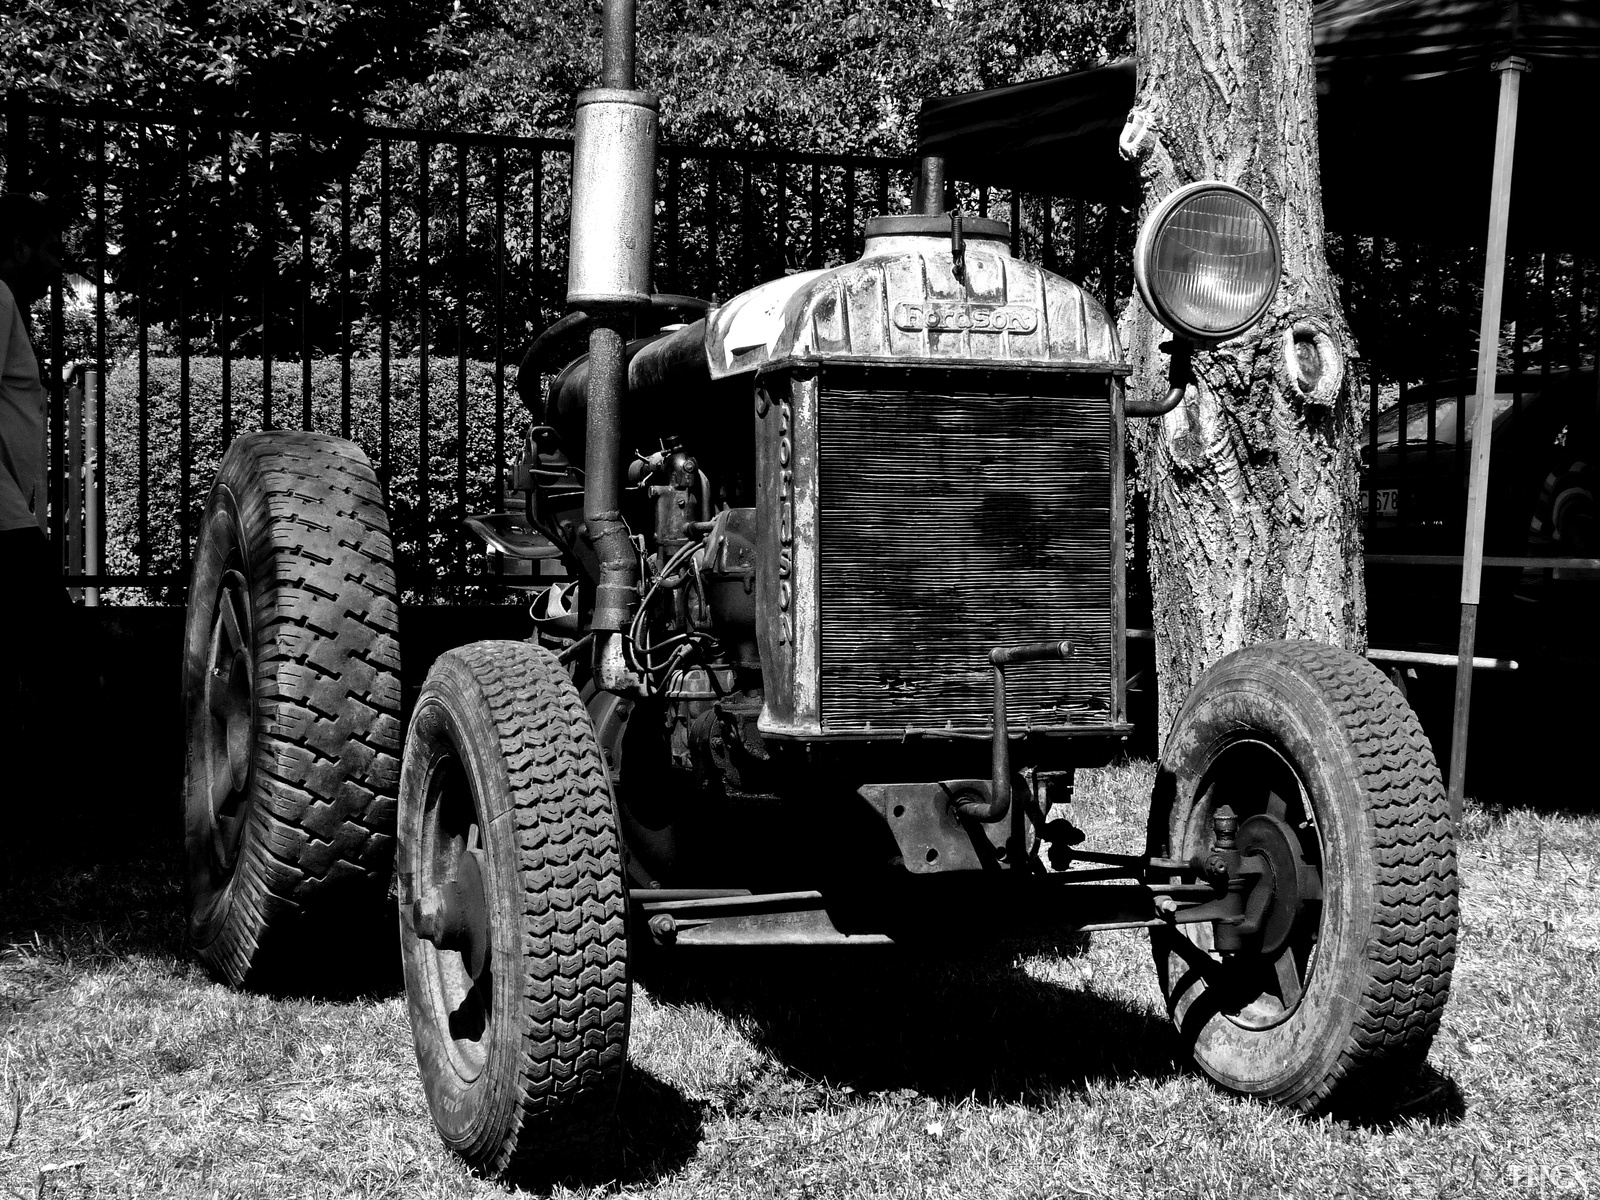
{"x": 33, "y": 600}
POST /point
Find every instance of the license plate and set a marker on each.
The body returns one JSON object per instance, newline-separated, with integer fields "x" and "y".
{"x": 1388, "y": 502}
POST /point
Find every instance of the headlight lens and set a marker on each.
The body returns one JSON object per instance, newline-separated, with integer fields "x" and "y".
{"x": 1207, "y": 262}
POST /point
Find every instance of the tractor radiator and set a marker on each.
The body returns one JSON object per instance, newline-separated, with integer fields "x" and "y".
{"x": 958, "y": 509}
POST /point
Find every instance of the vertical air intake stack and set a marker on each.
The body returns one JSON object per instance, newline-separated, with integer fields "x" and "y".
{"x": 613, "y": 202}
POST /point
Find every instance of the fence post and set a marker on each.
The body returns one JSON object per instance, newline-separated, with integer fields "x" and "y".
{"x": 74, "y": 499}
{"x": 91, "y": 483}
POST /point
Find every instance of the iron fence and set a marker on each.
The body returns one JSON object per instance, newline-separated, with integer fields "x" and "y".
{"x": 379, "y": 283}
{"x": 376, "y": 282}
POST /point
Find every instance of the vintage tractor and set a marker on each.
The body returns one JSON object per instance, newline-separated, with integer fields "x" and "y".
{"x": 831, "y": 609}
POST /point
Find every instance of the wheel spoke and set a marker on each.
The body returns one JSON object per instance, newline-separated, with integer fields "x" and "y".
{"x": 217, "y": 694}
{"x": 229, "y": 619}
{"x": 1288, "y": 977}
{"x": 221, "y": 784}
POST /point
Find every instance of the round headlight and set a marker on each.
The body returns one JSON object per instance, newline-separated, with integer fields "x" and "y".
{"x": 1207, "y": 262}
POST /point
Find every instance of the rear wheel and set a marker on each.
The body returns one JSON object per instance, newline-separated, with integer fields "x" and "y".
{"x": 1332, "y": 783}
{"x": 291, "y": 681}
{"x": 513, "y": 913}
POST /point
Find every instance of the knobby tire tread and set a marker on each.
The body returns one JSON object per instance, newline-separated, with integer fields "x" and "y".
{"x": 575, "y": 989}
{"x": 1412, "y": 948}
{"x": 329, "y": 731}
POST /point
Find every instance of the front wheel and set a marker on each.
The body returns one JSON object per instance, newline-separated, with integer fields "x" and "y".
{"x": 1330, "y": 777}
{"x": 513, "y": 910}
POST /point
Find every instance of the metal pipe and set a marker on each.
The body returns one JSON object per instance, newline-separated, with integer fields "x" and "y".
{"x": 1494, "y": 263}
{"x": 1180, "y": 374}
{"x": 91, "y": 483}
{"x": 930, "y": 186}
{"x": 1430, "y": 659}
{"x": 617, "y": 41}
{"x": 999, "y": 802}
{"x": 618, "y": 587}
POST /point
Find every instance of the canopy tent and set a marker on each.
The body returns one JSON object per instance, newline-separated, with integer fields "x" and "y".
{"x": 1424, "y": 122}
{"x": 1406, "y": 108}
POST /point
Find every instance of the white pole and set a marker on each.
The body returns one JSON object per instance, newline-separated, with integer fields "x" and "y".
{"x": 1494, "y": 271}
{"x": 74, "y": 498}
{"x": 91, "y": 483}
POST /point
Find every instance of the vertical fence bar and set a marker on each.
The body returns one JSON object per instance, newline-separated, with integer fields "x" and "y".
{"x": 306, "y": 213}
{"x": 226, "y": 257}
{"x": 537, "y": 235}
{"x": 94, "y": 504}
{"x": 747, "y": 273}
{"x": 713, "y": 228}
{"x": 499, "y": 328}
{"x": 424, "y": 508}
{"x": 675, "y": 223}
{"x": 1547, "y": 318}
{"x": 17, "y": 143}
{"x": 781, "y": 170}
{"x": 139, "y": 245}
{"x": 385, "y": 314}
{"x": 461, "y": 279}
{"x": 185, "y": 450}
{"x": 57, "y": 477}
{"x": 268, "y": 261}
{"x": 816, "y": 215}
{"x": 1047, "y": 233}
{"x": 848, "y": 234}
{"x": 94, "y": 552}
{"x": 344, "y": 305}
{"x": 74, "y": 482}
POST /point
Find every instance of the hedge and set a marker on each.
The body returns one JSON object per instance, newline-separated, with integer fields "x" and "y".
{"x": 423, "y": 542}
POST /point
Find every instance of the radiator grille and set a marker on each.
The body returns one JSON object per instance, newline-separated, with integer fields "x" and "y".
{"x": 958, "y": 512}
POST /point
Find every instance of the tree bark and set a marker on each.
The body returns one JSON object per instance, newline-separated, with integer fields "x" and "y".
{"x": 1253, "y": 478}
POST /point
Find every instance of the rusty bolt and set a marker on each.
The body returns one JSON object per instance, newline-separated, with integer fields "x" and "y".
{"x": 1166, "y": 905}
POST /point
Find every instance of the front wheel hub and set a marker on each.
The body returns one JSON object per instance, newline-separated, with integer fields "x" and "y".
{"x": 454, "y": 914}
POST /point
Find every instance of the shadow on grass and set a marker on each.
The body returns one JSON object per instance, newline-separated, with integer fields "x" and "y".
{"x": 885, "y": 1020}
{"x": 654, "y": 1134}
{"x": 1427, "y": 1096}
{"x": 99, "y": 898}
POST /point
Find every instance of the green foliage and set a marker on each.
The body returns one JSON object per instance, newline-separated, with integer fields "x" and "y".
{"x": 836, "y": 75}
{"x": 178, "y": 472}
{"x": 269, "y": 59}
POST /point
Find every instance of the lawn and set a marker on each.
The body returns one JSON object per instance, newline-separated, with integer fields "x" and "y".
{"x": 1032, "y": 1070}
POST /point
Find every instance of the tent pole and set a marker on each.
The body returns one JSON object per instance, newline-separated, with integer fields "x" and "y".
{"x": 1494, "y": 269}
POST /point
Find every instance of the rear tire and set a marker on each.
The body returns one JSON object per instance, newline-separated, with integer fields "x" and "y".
{"x": 1317, "y": 738}
{"x": 522, "y": 1049}
{"x": 291, "y": 682}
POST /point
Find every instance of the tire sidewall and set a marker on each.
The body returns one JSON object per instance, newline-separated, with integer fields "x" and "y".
{"x": 465, "y": 1111}
{"x": 224, "y": 535}
{"x": 1251, "y": 696}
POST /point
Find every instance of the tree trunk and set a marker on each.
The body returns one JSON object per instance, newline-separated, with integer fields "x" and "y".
{"x": 1253, "y": 478}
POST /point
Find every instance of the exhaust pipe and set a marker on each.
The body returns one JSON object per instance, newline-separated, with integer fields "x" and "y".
{"x": 608, "y": 276}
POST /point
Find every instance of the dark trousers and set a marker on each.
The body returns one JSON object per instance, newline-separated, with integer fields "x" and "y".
{"x": 35, "y": 678}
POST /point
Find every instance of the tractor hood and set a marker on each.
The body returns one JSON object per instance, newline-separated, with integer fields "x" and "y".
{"x": 921, "y": 291}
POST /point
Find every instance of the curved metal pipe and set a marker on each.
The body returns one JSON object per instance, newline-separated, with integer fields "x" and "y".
{"x": 999, "y": 802}
{"x": 1180, "y": 374}
{"x": 545, "y": 347}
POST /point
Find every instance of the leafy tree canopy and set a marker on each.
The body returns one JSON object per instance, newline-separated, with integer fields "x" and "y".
{"x": 844, "y": 75}
{"x": 270, "y": 60}
{"x": 830, "y": 74}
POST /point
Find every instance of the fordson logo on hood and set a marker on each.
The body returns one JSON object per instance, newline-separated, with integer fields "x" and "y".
{"x": 977, "y": 318}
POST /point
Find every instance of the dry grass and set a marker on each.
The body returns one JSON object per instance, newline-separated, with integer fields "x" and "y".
{"x": 1039, "y": 1072}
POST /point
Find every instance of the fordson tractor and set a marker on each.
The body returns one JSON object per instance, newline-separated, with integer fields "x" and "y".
{"x": 834, "y": 610}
